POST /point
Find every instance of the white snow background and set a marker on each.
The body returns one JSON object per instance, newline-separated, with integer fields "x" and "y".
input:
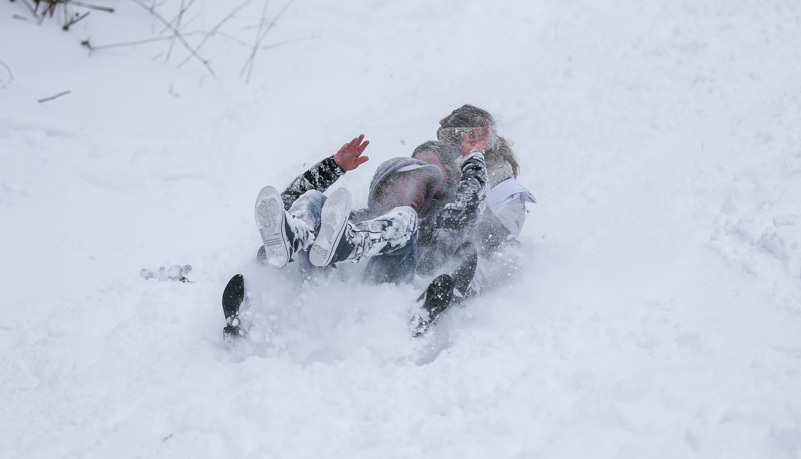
{"x": 656, "y": 310}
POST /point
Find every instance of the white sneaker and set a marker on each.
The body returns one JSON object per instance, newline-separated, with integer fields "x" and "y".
{"x": 271, "y": 222}
{"x": 334, "y": 219}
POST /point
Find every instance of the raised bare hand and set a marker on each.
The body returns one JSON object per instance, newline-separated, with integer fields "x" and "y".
{"x": 349, "y": 157}
{"x": 474, "y": 142}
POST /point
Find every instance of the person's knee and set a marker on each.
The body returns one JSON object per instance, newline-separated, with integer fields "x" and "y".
{"x": 405, "y": 217}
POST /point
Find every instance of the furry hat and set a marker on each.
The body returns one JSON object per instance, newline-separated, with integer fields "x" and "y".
{"x": 468, "y": 116}
{"x": 501, "y": 160}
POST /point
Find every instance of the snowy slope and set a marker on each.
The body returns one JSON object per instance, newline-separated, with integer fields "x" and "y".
{"x": 655, "y": 312}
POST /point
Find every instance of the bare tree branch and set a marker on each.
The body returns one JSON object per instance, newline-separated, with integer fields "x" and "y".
{"x": 10, "y": 74}
{"x": 32, "y": 9}
{"x": 177, "y": 28}
{"x": 177, "y": 35}
{"x": 260, "y": 37}
{"x": 288, "y": 41}
{"x": 46, "y": 99}
{"x": 277, "y": 17}
{"x": 180, "y": 13}
{"x": 215, "y": 28}
{"x": 93, "y": 7}
{"x": 21, "y": 18}
{"x": 249, "y": 63}
{"x": 134, "y": 43}
{"x": 73, "y": 21}
{"x": 122, "y": 45}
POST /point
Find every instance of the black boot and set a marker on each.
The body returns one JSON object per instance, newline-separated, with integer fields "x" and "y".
{"x": 438, "y": 296}
{"x": 233, "y": 296}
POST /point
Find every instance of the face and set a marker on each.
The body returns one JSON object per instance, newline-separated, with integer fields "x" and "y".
{"x": 403, "y": 189}
{"x": 453, "y": 135}
{"x": 429, "y": 157}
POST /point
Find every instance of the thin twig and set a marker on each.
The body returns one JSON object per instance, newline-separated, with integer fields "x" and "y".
{"x": 21, "y": 18}
{"x": 206, "y": 36}
{"x": 181, "y": 12}
{"x": 288, "y": 41}
{"x": 40, "y": 17}
{"x": 67, "y": 25}
{"x": 260, "y": 38}
{"x": 277, "y": 17}
{"x": 93, "y": 7}
{"x": 134, "y": 43}
{"x": 215, "y": 28}
{"x": 46, "y": 99}
{"x": 249, "y": 63}
{"x": 51, "y": 7}
{"x": 10, "y": 74}
{"x": 33, "y": 10}
{"x": 178, "y": 35}
{"x": 177, "y": 28}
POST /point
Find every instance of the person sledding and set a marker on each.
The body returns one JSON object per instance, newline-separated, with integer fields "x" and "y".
{"x": 502, "y": 221}
{"x": 395, "y": 234}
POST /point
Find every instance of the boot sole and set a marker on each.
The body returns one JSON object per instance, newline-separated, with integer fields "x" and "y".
{"x": 232, "y": 299}
{"x": 334, "y": 219}
{"x": 272, "y": 228}
{"x": 233, "y": 296}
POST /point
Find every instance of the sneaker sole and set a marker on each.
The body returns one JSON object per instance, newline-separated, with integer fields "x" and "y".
{"x": 335, "y": 214}
{"x": 272, "y": 228}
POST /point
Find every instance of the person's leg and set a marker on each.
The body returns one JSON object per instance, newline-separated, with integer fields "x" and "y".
{"x": 285, "y": 233}
{"x": 388, "y": 241}
{"x": 438, "y": 296}
{"x": 308, "y": 208}
{"x": 441, "y": 293}
{"x": 396, "y": 266}
{"x": 466, "y": 258}
{"x": 392, "y": 233}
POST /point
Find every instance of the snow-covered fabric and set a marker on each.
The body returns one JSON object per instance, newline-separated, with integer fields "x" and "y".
{"x": 303, "y": 219}
{"x": 442, "y": 233}
{"x": 381, "y": 235}
{"x": 308, "y": 208}
{"x": 507, "y": 201}
{"x": 319, "y": 177}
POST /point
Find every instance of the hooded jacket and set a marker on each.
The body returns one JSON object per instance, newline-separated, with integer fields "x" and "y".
{"x": 430, "y": 174}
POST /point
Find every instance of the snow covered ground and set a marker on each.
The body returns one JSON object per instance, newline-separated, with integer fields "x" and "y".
{"x": 656, "y": 311}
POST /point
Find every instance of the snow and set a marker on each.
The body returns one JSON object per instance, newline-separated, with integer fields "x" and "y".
{"x": 655, "y": 311}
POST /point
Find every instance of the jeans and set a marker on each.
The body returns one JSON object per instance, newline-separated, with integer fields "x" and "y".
{"x": 394, "y": 263}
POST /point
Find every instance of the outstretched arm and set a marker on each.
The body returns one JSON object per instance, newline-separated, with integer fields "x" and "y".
{"x": 455, "y": 222}
{"x": 464, "y": 211}
{"x": 323, "y": 174}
